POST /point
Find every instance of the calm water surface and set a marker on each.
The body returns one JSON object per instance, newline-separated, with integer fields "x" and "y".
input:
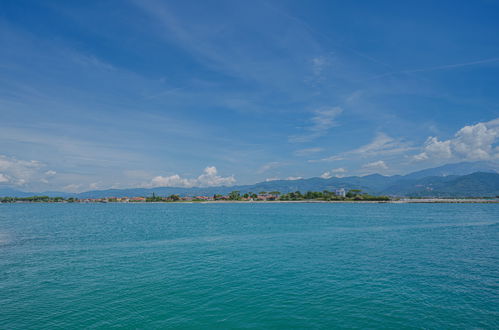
{"x": 249, "y": 266}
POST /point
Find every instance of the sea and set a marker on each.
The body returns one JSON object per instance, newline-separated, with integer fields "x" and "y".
{"x": 249, "y": 266}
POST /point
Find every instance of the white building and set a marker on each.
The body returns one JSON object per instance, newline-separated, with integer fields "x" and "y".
{"x": 340, "y": 192}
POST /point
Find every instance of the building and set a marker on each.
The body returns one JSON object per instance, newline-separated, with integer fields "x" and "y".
{"x": 340, "y": 192}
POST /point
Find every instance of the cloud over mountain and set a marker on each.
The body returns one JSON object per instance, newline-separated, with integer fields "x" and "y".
{"x": 473, "y": 142}
{"x": 208, "y": 178}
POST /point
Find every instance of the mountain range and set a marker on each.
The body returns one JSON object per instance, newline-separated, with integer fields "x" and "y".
{"x": 466, "y": 179}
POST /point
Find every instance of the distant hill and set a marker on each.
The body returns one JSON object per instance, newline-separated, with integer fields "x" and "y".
{"x": 14, "y": 192}
{"x": 462, "y": 168}
{"x": 471, "y": 185}
{"x": 451, "y": 180}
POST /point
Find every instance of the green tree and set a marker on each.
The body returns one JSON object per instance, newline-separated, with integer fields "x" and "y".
{"x": 235, "y": 195}
{"x": 174, "y": 197}
{"x": 353, "y": 193}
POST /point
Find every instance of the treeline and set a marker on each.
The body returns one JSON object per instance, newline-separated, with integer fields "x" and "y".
{"x": 37, "y": 199}
{"x": 351, "y": 195}
{"x": 171, "y": 198}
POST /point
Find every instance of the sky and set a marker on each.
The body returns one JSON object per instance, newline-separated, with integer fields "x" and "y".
{"x": 147, "y": 93}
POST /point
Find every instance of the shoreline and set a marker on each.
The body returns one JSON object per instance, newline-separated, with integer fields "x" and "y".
{"x": 401, "y": 201}
{"x": 426, "y": 201}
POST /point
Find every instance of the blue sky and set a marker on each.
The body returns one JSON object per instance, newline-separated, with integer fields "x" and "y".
{"x": 100, "y": 94}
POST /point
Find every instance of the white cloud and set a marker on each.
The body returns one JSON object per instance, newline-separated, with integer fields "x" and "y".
{"x": 473, "y": 142}
{"x": 3, "y": 178}
{"x": 326, "y": 175}
{"x": 291, "y": 178}
{"x": 377, "y": 165}
{"x": 20, "y": 172}
{"x": 476, "y": 142}
{"x": 337, "y": 172}
{"x": 208, "y": 178}
{"x": 435, "y": 148}
{"x": 321, "y": 122}
{"x": 48, "y": 174}
{"x": 172, "y": 181}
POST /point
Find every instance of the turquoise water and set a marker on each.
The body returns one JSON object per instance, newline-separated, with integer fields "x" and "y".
{"x": 249, "y": 266}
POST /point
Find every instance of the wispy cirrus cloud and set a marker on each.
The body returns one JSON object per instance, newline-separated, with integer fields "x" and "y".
{"x": 455, "y": 65}
{"x": 381, "y": 145}
{"x": 194, "y": 86}
{"x": 307, "y": 151}
{"x": 436, "y": 68}
{"x": 209, "y": 46}
{"x": 319, "y": 66}
{"x": 321, "y": 122}
{"x": 268, "y": 166}
{"x": 319, "y": 63}
{"x": 333, "y": 158}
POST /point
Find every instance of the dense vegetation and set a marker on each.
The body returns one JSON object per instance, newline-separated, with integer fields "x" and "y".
{"x": 35, "y": 199}
{"x": 352, "y": 195}
{"x": 171, "y": 198}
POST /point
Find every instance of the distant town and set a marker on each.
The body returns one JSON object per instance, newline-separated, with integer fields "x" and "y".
{"x": 262, "y": 196}
{"x": 338, "y": 195}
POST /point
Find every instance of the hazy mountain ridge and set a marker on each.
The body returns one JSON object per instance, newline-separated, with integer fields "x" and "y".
{"x": 451, "y": 180}
{"x": 462, "y": 168}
